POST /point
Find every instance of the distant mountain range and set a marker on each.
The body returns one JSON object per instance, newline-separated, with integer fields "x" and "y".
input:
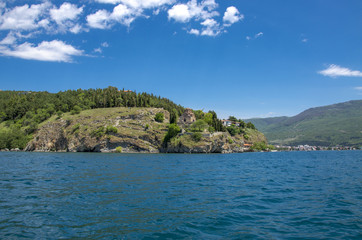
{"x": 337, "y": 124}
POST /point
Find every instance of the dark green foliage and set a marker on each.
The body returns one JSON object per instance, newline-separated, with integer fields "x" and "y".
{"x": 250, "y": 125}
{"x": 198, "y": 126}
{"x": 76, "y": 110}
{"x": 13, "y": 137}
{"x": 232, "y": 118}
{"x": 216, "y": 123}
{"x": 159, "y": 117}
{"x": 174, "y": 116}
{"x": 196, "y": 136}
{"x": 211, "y": 129}
{"x": 332, "y": 125}
{"x": 111, "y": 129}
{"x": 233, "y": 130}
{"x": 14, "y": 105}
{"x": 98, "y": 133}
{"x": 173, "y": 130}
{"x": 199, "y": 114}
{"x": 259, "y": 146}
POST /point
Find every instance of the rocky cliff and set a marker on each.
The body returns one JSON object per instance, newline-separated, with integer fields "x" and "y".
{"x": 127, "y": 130}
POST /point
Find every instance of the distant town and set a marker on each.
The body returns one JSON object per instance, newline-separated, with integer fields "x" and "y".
{"x": 313, "y": 148}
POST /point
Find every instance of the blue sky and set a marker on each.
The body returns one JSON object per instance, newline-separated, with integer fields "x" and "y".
{"x": 247, "y": 58}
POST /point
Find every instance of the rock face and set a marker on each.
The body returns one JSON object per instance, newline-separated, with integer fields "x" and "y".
{"x": 187, "y": 117}
{"x": 220, "y": 142}
{"x": 129, "y": 130}
{"x": 103, "y": 130}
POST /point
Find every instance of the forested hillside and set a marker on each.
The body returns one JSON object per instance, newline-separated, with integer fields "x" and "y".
{"x": 337, "y": 124}
{"x": 22, "y": 111}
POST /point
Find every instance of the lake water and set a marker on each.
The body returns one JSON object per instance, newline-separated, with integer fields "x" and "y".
{"x": 291, "y": 195}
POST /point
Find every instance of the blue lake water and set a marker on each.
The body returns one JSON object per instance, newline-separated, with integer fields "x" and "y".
{"x": 291, "y": 195}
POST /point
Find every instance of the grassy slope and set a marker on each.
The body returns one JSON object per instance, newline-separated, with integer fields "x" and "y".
{"x": 338, "y": 124}
{"x": 130, "y": 123}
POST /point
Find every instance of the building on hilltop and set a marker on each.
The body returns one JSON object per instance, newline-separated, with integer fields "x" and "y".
{"x": 187, "y": 117}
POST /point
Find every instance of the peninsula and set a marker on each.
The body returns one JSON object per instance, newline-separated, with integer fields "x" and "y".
{"x": 113, "y": 120}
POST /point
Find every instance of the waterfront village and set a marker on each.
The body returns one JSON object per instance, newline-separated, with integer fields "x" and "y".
{"x": 227, "y": 123}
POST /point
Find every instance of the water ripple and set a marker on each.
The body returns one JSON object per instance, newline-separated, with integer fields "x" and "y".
{"x": 300, "y": 195}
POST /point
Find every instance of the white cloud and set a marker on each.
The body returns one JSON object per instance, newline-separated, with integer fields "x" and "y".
{"x": 76, "y": 29}
{"x": 194, "y": 32}
{"x": 98, "y": 50}
{"x": 358, "y": 88}
{"x": 209, "y": 22}
{"x": 232, "y": 16}
{"x": 211, "y": 28}
{"x": 54, "y": 51}
{"x": 185, "y": 12}
{"x": 105, "y": 44}
{"x": 248, "y": 38}
{"x": 100, "y": 19}
{"x": 124, "y": 15}
{"x": 305, "y": 40}
{"x": 338, "y": 71}
{"x": 146, "y": 3}
{"x": 260, "y": 34}
{"x": 109, "y": 1}
{"x": 23, "y": 17}
{"x": 179, "y": 13}
{"x": 65, "y": 12}
{"x": 9, "y": 39}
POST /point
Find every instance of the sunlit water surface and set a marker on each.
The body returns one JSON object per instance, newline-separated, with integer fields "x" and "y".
{"x": 296, "y": 195}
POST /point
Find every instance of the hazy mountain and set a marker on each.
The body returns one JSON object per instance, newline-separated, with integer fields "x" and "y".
{"x": 337, "y": 124}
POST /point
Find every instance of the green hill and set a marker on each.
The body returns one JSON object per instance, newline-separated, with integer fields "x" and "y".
{"x": 337, "y": 124}
{"x": 110, "y": 119}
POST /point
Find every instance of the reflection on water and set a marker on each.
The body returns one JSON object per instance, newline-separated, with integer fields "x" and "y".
{"x": 309, "y": 195}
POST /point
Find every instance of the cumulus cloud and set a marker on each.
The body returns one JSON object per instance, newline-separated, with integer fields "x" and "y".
{"x": 194, "y": 32}
{"x": 23, "y": 17}
{"x": 103, "y": 19}
{"x": 18, "y": 23}
{"x": 192, "y": 9}
{"x": 212, "y": 28}
{"x": 100, "y": 19}
{"x": 65, "y": 12}
{"x": 109, "y": 1}
{"x": 54, "y": 51}
{"x": 232, "y": 16}
{"x": 338, "y": 71}
{"x": 9, "y": 39}
{"x": 204, "y": 13}
{"x": 179, "y": 13}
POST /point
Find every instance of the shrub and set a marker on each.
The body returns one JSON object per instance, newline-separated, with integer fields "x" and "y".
{"x": 199, "y": 126}
{"x": 233, "y": 130}
{"x": 211, "y": 129}
{"x": 259, "y": 146}
{"x": 147, "y": 127}
{"x": 159, "y": 117}
{"x": 119, "y": 149}
{"x": 173, "y": 130}
{"x": 75, "y": 110}
{"x": 99, "y": 132}
{"x": 230, "y": 140}
{"x": 196, "y": 136}
{"x": 111, "y": 129}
